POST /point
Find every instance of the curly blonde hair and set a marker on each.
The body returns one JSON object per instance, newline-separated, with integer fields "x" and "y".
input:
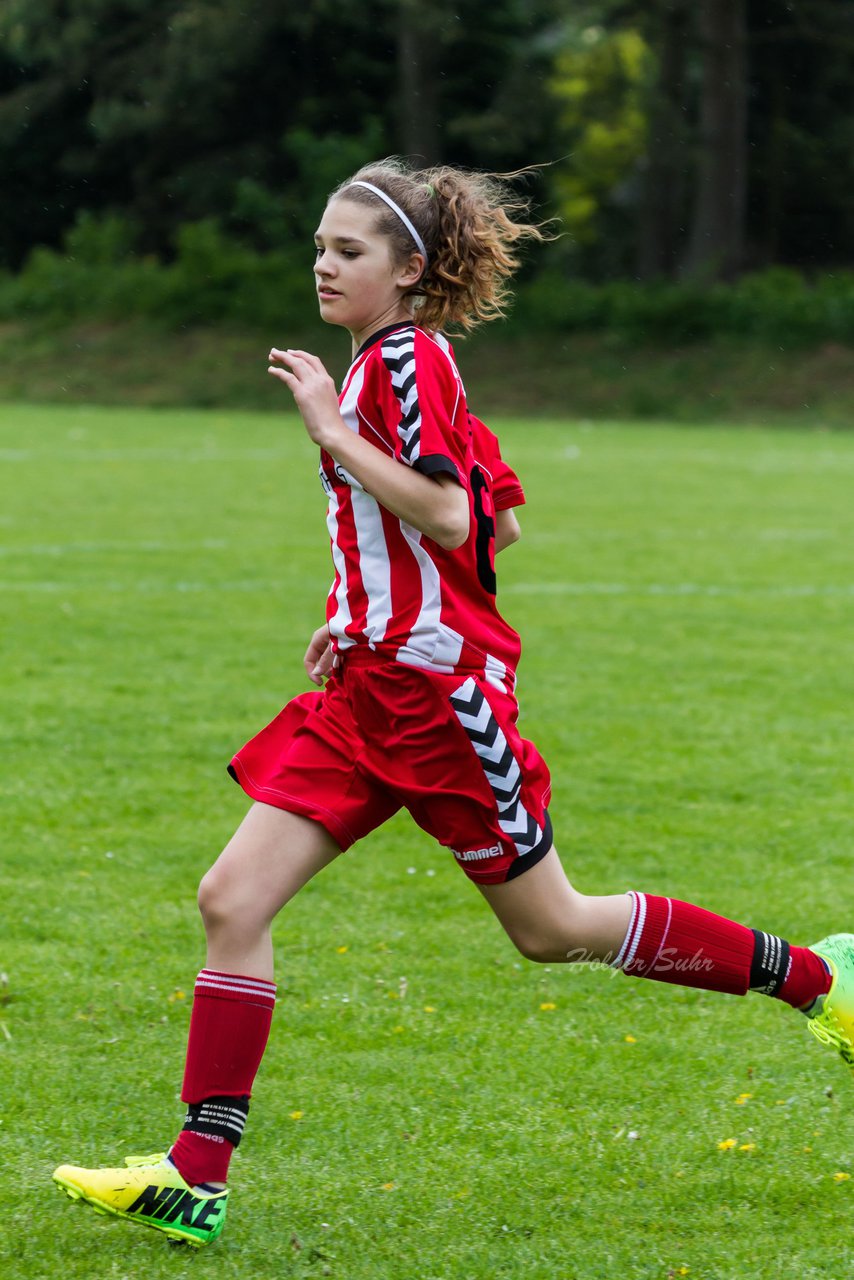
{"x": 471, "y": 224}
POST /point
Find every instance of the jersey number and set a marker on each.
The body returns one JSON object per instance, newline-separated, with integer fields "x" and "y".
{"x": 485, "y": 533}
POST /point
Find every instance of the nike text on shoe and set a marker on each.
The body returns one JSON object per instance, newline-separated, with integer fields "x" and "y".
{"x": 832, "y": 1021}
{"x": 151, "y": 1191}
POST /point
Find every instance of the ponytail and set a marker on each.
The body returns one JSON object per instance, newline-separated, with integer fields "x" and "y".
{"x": 471, "y": 225}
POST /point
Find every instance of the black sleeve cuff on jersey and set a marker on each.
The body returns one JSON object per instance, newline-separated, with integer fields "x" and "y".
{"x": 435, "y": 463}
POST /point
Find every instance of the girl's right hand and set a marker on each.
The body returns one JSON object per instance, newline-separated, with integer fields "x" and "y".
{"x": 318, "y": 656}
{"x": 314, "y": 392}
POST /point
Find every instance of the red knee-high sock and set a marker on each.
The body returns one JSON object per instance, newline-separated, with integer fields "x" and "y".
{"x": 807, "y": 979}
{"x": 229, "y": 1027}
{"x": 672, "y": 941}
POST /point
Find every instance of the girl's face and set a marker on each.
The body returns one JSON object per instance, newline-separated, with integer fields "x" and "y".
{"x": 358, "y": 284}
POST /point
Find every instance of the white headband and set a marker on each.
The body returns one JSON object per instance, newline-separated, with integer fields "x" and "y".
{"x": 397, "y": 209}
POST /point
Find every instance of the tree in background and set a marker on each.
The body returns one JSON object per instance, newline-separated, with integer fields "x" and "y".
{"x": 689, "y": 137}
{"x": 716, "y": 244}
{"x": 166, "y": 109}
{"x": 665, "y": 177}
{"x": 744, "y": 153}
{"x": 600, "y": 83}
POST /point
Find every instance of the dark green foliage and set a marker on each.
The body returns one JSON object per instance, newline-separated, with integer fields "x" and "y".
{"x": 212, "y": 277}
{"x": 215, "y": 278}
{"x": 172, "y": 110}
{"x": 778, "y": 304}
{"x": 175, "y": 112}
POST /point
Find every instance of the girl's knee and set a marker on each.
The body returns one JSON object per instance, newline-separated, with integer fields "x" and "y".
{"x": 229, "y": 905}
{"x": 216, "y": 898}
{"x": 542, "y": 948}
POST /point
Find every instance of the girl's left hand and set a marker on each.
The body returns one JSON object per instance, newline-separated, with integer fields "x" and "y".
{"x": 313, "y": 390}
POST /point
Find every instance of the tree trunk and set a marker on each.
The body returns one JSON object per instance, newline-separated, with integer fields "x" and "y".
{"x": 419, "y": 132}
{"x": 664, "y": 177}
{"x": 716, "y": 244}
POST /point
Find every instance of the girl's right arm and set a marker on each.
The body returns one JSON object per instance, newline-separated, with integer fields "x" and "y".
{"x": 435, "y": 505}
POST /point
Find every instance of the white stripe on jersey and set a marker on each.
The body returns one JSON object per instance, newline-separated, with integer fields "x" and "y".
{"x": 429, "y": 643}
{"x": 495, "y": 673}
{"x": 341, "y": 619}
{"x": 449, "y": 647}
{"x": 444, "y": 346}
{"x": 374, "y": 564}
{"x": 350, "y": 398}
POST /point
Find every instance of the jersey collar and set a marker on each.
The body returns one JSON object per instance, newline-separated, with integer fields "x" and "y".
{"x": 382, "y": 333}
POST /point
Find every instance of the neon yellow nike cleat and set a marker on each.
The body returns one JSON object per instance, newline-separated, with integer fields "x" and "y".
{"x": 151, "y": 1191}
{"x": 833, "y": 1021}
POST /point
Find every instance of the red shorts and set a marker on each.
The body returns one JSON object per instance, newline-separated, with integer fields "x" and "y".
{"x": 382, "y": 736}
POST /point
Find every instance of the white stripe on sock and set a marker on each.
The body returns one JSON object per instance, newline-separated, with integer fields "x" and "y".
{"x": 618, "y": 963}
{"x": 250, "y": 987}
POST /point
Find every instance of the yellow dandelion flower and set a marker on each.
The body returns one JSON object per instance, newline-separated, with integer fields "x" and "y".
{"x": 841, "y": 1177}
{"x": 547, "y": 1004}
{"x": 389, "y": 1186}
{"x": 727, "y": 1144}
{"x": 807, "y": 1151}
{"x": 177, "y": 994}
{"x": 340, "y": 951}
{"x": 296, "y": 1115}
{"x": 747, "y": 1146}
{"x": 742, "y": 1098}
{"x": 429, "y": 1008}
{"x": 630, "y": 1039}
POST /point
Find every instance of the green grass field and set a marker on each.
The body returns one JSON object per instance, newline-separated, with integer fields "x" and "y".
{"x": 432, "y": 1107}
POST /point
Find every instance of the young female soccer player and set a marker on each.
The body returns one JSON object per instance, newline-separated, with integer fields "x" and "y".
{"x": 418, "y": 707}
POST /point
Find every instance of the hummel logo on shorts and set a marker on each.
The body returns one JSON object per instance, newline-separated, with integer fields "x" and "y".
{"x": 475, "y": 855}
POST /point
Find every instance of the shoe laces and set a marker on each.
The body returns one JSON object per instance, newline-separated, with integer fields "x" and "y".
{"x": 135, "y": 1162}
{"x": 826, "y": 1030}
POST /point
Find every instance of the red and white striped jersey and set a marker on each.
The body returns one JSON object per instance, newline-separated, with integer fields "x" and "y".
{"x": 396, "y": 590}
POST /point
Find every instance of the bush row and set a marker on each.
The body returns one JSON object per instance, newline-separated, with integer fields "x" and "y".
{"x": 214, "y": 279}
{"x": 777, "y": 305}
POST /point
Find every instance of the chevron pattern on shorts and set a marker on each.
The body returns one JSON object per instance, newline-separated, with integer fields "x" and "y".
{"x": 498, "y": 763}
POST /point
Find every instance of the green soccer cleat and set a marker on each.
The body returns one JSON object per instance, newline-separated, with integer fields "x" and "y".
{"x": 151, "y": 1191}
{"x": 833, "y": 1021}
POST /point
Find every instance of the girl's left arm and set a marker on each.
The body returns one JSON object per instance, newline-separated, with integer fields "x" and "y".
{"x": 507, "y": 529}
{"x": 436, "y": 506}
